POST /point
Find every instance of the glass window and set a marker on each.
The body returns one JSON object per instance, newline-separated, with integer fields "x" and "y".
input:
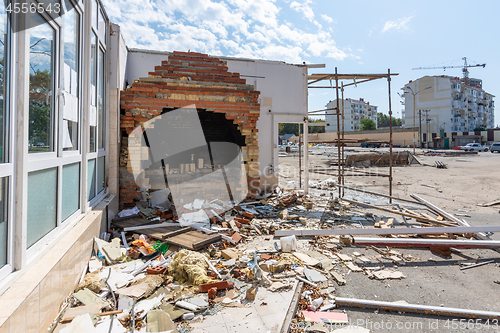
{"x": 101, "y": 181}
{"x": 102, "y": 28}
{"x": 93, "y": 93}
{"x": 42, "y": 203}
{"x": 4, "y": 65}
{"x": 3, "y": 222}
{"x": 70, "y": 77}
{"x": 91, "y": 179}
{"x": 94, "y": 13}
{"x": 70, "y": 190}
{"x": 41, "y": 91}
{"x": 100, "y": 102}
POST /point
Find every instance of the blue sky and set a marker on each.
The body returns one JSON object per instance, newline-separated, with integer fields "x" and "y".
{"x": 355, "y": 36}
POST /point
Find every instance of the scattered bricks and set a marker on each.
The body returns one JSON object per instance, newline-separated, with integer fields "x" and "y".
{"x": 241, "y": 220}
{"x": 229, "y": 254}
{"x": 251, "y": 292}
{"x": 212, "y": 293}
{"x": 236, "y": 272}
{"x": 134, "y": 254}
{"x": 265, "y": 257}
{"x": 249, "y": 215}
{"x": 445, "y": 252}
{"x": 283, "y": 214}
{"x": 156, "y": 270}
{"x": 236, "y": 237}
{"x": 218, "y": 285}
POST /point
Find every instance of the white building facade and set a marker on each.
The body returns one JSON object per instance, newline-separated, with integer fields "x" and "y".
{"x": 444, "y": 103}
{"x": 354, "y": 111}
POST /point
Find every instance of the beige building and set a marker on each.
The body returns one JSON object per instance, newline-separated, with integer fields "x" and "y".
{"x": 444, "y": 103}
{"x": 354, "y": 112}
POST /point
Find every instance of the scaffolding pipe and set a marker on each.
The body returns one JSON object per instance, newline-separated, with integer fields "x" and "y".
{"x": 343, "y": 145}
{"x": 338, "y": 128}
{"x": 387, "y": 231}
{"x": 390, "y": 135}
{"x": 300, "y": 160}
{"x": 416, "y": 242}
{"x": 416, "y": 308}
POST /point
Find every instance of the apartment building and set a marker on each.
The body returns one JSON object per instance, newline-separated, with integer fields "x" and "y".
{"x": 354, "y": 111}
{"x": 449, "y": 104}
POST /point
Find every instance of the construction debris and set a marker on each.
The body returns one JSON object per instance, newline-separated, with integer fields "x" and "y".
{"x": 166, "y": 269}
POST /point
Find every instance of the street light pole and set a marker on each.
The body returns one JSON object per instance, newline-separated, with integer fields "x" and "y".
{"x": 414, "y": 108}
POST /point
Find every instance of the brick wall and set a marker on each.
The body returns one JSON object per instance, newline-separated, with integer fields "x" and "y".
{"x": 186, "y": 79}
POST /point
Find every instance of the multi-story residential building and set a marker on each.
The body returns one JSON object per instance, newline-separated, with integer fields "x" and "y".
{"x": 445, "y": 103}
{"x": 354, "y": 112}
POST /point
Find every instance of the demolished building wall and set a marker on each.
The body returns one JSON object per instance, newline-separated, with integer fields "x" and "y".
{"x": 188, "y": 79}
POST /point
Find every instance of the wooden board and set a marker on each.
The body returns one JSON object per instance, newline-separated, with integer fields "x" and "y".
{"x": 129, "y": 221}
{"x": 193, "y": 240}
{"x": 164, "y": 232}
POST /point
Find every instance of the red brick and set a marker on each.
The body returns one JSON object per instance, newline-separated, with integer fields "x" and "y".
{"x": 219, "y": 285}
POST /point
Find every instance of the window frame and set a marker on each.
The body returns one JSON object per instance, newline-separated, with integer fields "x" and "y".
{"x": 7, "y": 167}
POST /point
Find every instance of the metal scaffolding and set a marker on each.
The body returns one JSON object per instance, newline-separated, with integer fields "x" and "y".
{"x": 339, "y": 112}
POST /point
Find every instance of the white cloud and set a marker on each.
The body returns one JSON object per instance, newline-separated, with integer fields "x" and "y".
{"x": 327, "y": 18}
{"x": 400, "y": 24}
{"x": 304, "y": 9}
{"x": 239, "y": 28}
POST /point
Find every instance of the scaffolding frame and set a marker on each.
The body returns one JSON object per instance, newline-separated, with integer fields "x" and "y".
{"x": 339, "y": 112}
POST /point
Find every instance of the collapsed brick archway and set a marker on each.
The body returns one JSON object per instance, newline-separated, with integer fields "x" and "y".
{"x": 218, "y": 95}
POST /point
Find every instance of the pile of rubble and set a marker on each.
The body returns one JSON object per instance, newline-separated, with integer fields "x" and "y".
{"x": 159, "y": 270}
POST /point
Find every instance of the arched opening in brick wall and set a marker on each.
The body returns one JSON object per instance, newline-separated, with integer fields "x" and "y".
{"x": 226, "y": 110}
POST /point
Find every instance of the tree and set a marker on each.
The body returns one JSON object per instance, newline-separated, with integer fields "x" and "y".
{"x": 39, "y": 106}
{"x": 383, "y": 120}
{"x": 480, "y": 128}
{"x": 367, "y": 124}
{"x": 316, "y": 129}
{"x": 293, "y": 128}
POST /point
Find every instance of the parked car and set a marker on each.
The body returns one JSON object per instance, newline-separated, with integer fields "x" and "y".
{"x": 474, "y": 146}
{"x": 495, "y": 147}
{"x": 40, "y": 144}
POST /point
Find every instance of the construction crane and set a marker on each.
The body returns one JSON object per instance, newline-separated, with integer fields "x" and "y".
{"x": 465, "y": 71}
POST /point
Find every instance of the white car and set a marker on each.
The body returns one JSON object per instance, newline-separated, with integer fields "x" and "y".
{"x": 474, "y": 146}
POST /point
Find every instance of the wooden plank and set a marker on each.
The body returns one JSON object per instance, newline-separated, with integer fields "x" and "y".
{"x": 193, "y": 240}
{"x": 491, "y": 203}
{"x": 129, "y": 221}
{"x": 285, "y": 328}
{"x": 387, "y": 224}
{"x": 399, "y": 213}
{"x": 164, "y": 232}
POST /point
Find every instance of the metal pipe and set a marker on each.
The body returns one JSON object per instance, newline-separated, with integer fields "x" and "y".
{"x": 390, "y": 136}
{"x": 415, "y": 242}
{"x": 477, "y": 265}
{"x": 387, "y": 231}
{"x": 300, "y": 160}
{"x": 416, "y": 308}
{"x": 338, "y": 128}
{"x": 380, "y": 194}
{"x": 343, "y": 145}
